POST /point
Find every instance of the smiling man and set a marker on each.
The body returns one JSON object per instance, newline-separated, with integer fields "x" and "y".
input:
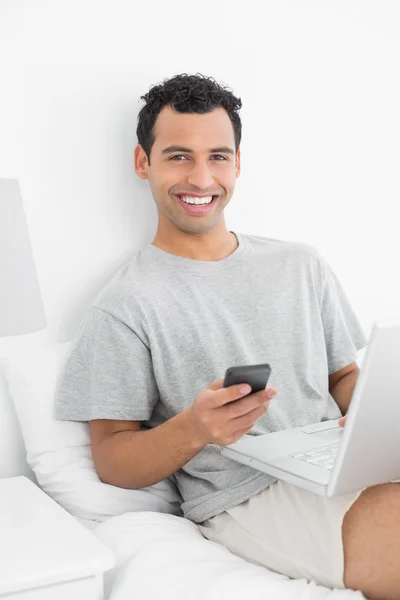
{"x": 192, "y": 183}
{"x": 147, "y": 369}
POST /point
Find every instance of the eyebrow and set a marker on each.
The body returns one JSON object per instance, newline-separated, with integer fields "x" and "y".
{"x": 184, "y": 149}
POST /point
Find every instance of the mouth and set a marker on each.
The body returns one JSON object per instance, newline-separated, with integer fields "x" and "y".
{"x": 197, "y": 209}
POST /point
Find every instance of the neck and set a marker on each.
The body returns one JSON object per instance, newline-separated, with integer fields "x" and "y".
{"x": 207, "y": 249}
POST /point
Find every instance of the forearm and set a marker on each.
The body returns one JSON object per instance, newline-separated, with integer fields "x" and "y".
{"x": 137, "y": 459}
{"x": 343, "y": 391}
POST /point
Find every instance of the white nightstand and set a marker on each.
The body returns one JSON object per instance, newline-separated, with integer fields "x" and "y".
{"x": 45, "y": 553}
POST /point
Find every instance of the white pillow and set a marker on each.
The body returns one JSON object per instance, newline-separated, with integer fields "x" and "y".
{"x": 59, "y": 452}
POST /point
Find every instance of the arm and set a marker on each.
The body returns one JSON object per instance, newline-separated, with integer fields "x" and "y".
{"x": 342, "y": 384}
{"x": 126, "y": 457}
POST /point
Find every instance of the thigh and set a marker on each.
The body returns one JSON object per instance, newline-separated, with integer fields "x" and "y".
{"x": 288, "y": 530}
{"x": 371, "y": 541}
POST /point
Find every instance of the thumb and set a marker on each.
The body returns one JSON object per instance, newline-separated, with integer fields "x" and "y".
{"x": 342, "y": 421}
{"x": 217, "y": 384}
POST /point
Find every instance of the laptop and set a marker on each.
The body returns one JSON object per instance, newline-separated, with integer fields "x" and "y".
{"x": 330, "y": 460}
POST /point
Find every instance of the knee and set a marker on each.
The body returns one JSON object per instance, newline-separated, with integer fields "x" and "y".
{"x": 371, "y": 543}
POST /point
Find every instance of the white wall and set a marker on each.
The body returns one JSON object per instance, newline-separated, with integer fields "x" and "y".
{"x": 321, "y": 127}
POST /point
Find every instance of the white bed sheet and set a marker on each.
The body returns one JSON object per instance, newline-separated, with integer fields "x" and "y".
{"x": 88, "y": 523}
{"x": 165, "y": 556}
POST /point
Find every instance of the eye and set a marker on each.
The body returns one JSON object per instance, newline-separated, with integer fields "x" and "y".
{"x": 179, "y": 155}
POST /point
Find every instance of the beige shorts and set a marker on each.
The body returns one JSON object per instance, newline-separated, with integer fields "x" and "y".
{"x": 288, "y": 530}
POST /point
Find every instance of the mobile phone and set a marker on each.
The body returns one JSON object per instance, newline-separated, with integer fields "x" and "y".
{"x": 255, "y": 375}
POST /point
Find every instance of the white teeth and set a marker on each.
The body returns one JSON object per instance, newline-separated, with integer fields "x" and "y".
{"x": 192, "y": 200}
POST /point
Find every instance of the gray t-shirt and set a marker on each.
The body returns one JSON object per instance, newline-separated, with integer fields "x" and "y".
{"x": 164, "y": 327}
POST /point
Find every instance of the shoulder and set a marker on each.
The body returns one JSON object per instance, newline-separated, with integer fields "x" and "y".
{"x": 121, "y": 294}
{"x": 300, "y": 252}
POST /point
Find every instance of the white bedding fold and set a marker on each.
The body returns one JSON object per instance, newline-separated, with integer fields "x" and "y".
{"x": 165, "y": 556}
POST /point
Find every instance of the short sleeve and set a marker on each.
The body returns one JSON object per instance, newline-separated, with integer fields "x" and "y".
{"x": 343, "y": 333}
{"x": 108, "y": 374}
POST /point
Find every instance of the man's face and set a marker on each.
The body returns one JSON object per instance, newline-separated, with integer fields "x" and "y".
{"x": 200, "y": 171}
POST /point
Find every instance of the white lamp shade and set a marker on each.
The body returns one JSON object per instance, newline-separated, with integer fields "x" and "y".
{"x": 21, "y": 306}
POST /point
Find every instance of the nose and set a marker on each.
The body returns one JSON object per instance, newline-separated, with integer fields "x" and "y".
{"x": 200, "y": 176}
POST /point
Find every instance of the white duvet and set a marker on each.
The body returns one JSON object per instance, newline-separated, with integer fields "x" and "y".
{"x": 162, "y": 556}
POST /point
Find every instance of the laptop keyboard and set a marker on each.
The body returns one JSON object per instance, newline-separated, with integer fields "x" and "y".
{"x": 321, "y": 457}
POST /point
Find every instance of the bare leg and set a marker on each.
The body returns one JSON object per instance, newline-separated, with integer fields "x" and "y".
{"x": 371, "y": 543}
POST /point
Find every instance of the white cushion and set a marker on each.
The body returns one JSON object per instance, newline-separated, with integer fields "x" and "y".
{"x": 59, "y": 452}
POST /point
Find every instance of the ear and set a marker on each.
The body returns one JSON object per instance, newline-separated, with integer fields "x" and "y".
{"x": 140, "y": 162}
{"x": 238, "y": 163}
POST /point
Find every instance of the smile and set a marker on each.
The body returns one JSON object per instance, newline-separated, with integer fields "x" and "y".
{"x": 197, "y": 209}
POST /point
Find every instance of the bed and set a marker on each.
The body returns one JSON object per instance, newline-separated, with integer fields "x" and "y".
{"x": 158, "y": 552}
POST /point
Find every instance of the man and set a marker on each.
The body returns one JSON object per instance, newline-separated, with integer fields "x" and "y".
{"x": 147, "y": 369}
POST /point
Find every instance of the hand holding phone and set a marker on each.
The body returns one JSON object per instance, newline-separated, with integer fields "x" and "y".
{"x": 221, "y": 413}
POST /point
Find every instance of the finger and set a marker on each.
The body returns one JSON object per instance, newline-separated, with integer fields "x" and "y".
{"x": 234, "y": 394}
{"x": 231, "y": 393}
{"x": 217, "y": 384}
{"x": 244, "y": 409}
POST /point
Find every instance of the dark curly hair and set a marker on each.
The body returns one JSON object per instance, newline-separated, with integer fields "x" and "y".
{"x": 186, "y": 94}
